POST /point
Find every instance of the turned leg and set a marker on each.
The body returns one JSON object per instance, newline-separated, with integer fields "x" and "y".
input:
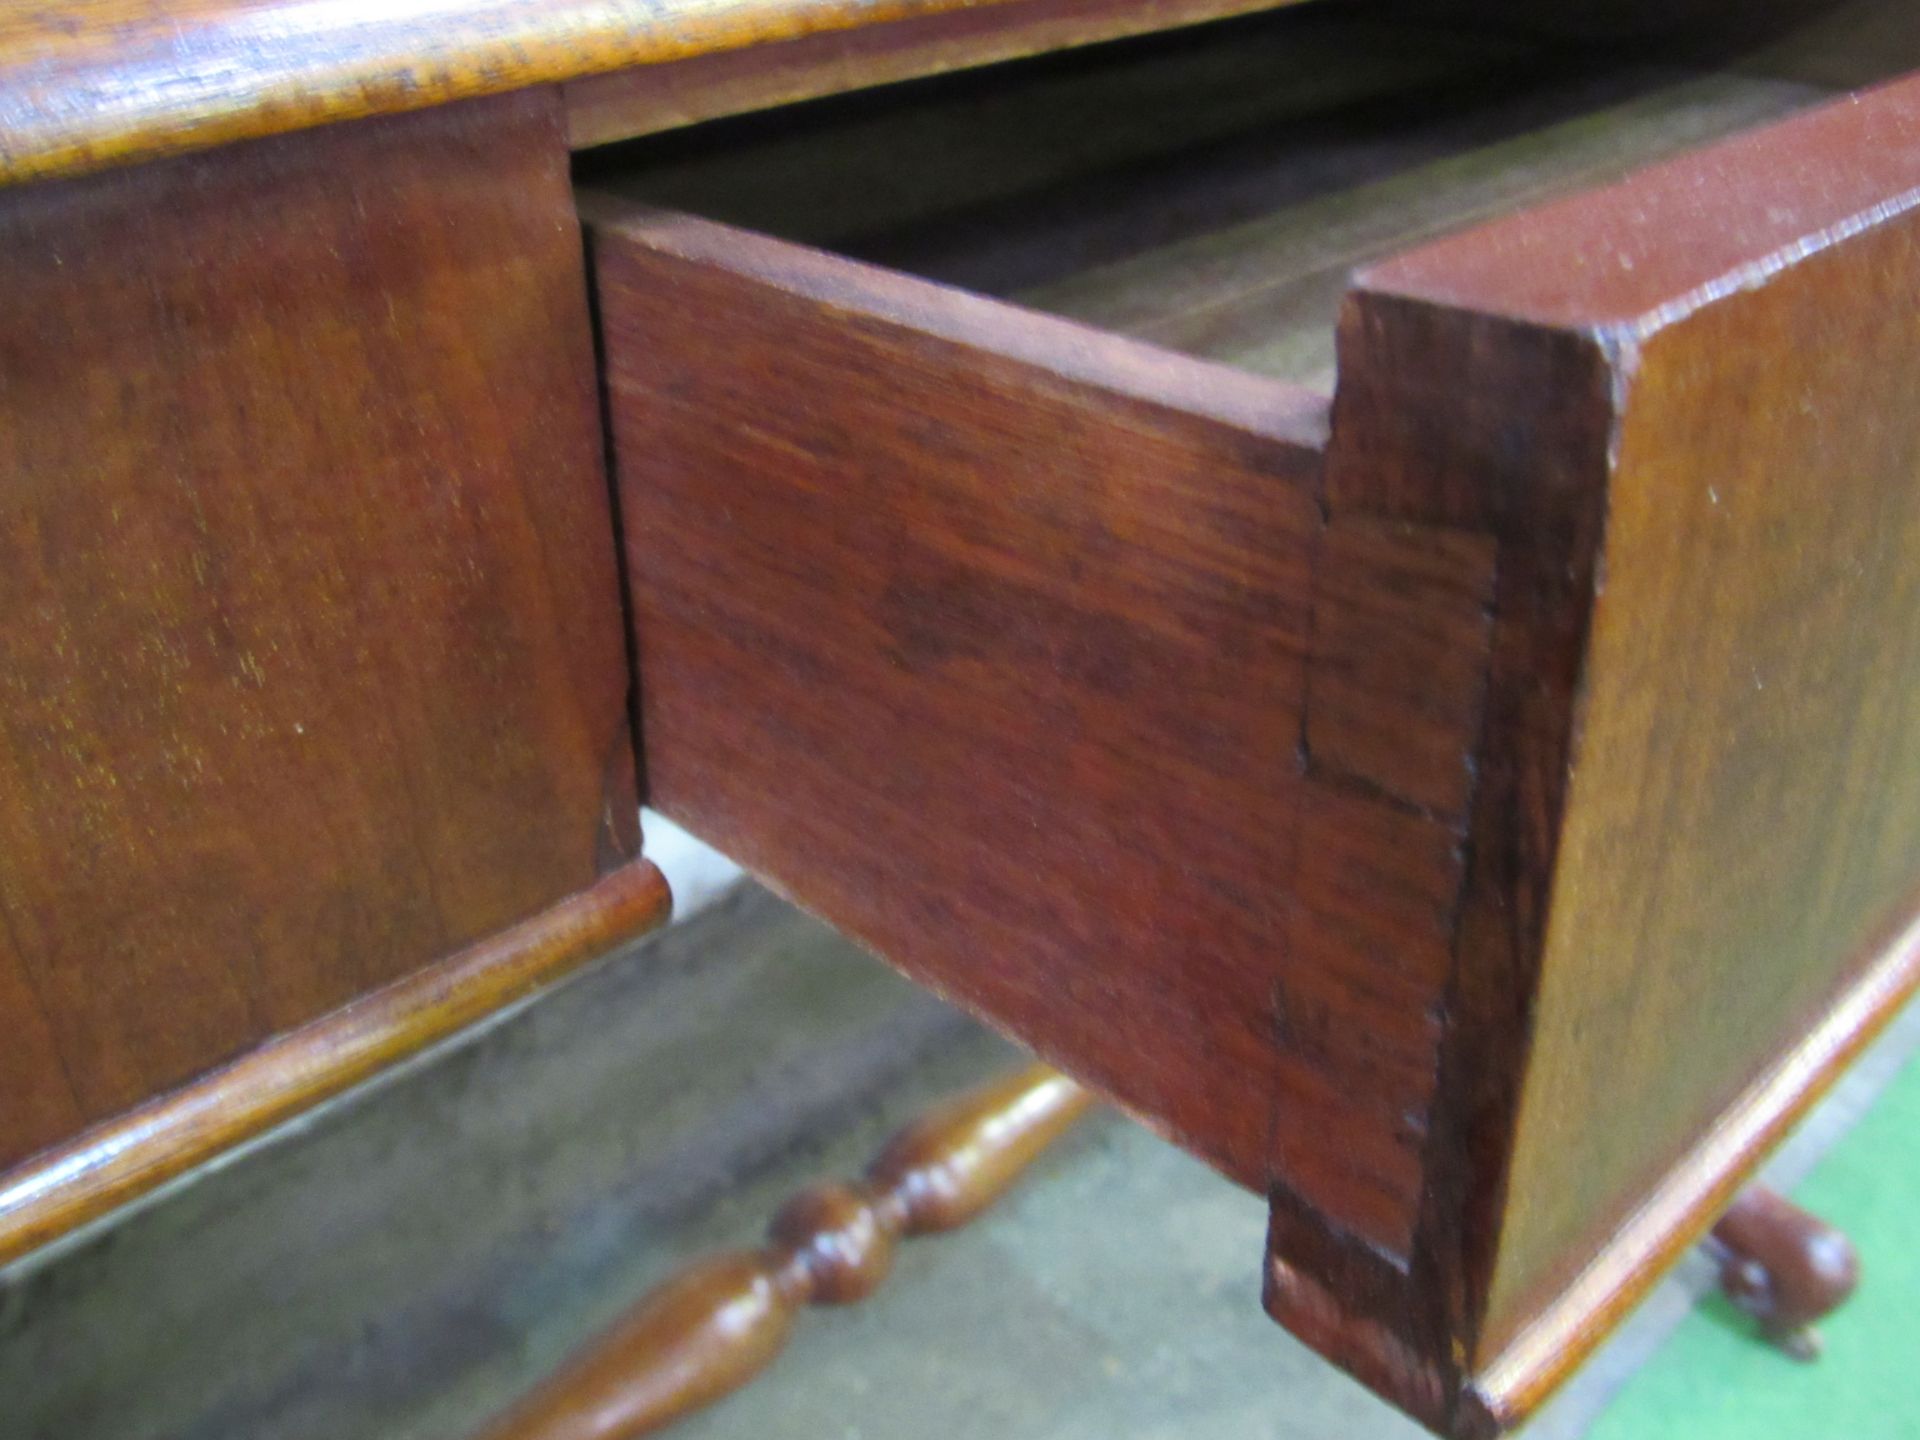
{"x": 1783, "y": 1266}
{"x": 712, "y": 1328}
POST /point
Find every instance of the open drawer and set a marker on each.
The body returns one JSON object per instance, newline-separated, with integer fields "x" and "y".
{"x": 1473, "y": 800}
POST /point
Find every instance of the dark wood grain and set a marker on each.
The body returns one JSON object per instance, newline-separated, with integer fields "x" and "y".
{"x": 716, "y": 1325}
{"x": 983, "y": 704}
{"x": 958, "y": 622}
{"x": 1400, "y": 633}
{"x": 1684, "y": 408}
{"x": 1482, "y": 828}
{"x": 311, "y": 666}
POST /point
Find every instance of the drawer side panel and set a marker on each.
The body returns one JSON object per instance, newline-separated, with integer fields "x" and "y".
{"x": 986, "y": 637}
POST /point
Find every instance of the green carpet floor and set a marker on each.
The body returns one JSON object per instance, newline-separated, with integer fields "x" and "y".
{"x": 1714, "y": 1378}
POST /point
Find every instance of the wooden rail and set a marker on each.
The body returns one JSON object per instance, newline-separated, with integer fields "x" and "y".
{"x": 711, "y": 1329}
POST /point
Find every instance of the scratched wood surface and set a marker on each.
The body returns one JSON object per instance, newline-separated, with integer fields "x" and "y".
{"x": 310, "y": 658}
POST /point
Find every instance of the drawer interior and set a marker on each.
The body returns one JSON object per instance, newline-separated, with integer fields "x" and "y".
{"x": 1210, "y": 191}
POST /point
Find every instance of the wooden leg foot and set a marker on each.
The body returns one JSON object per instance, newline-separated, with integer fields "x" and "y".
{"x": 1785, "y": 1267}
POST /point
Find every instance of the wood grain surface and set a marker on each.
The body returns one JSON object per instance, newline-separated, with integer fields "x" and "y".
{"x": 311, "y": 666}
{"x": 1750, "y": 699}
{"x": 1482, "y": 824}
{"x": 1686, "y": 410}
{"x": 1395, "y": 685}
{"x": 1012, "y": 640}
{"x": 975, "y": 631}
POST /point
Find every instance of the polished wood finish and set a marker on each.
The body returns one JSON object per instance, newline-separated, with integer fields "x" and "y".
{"x": 718, "y": 1324}
{"x": 1787, "y": 1268}
{"x": 1684, "y": 410}
{"x": 1685, "y": 1201}
{"x": 1554, "y": 864}
{"x": 124, "y": 1158}
{"x": 95, "y": 83}
{"x": 311, "y": 664}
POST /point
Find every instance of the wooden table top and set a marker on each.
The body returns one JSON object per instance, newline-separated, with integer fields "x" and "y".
{"x": 87, "y": 84}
